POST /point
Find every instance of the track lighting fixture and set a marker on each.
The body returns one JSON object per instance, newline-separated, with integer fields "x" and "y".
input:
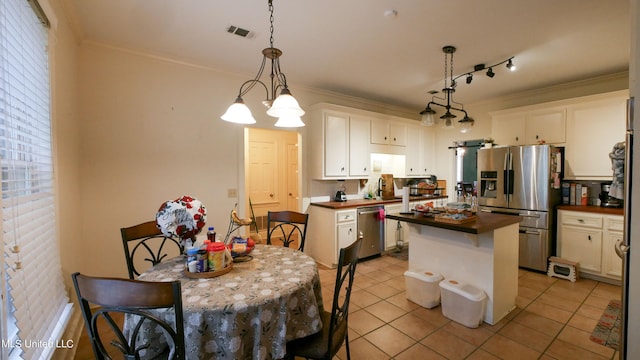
{"x": 490, "y": 73}
{"x": 465, "y": 124}
{"x": 285, "y": 107}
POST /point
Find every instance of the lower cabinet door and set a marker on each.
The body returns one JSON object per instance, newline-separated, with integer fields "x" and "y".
{"x": 346, "y": 234}
{"x": 611, "y": 262}
{"x": 582, "y": 245}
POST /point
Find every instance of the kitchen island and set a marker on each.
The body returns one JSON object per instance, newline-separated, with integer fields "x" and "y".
{"x": 482, "y": 252}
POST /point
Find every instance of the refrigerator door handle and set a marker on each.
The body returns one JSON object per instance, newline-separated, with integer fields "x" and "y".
{"x": 506, "y": 175}
{"x": 628, "y": 173}
{"x": 621, "y": 250}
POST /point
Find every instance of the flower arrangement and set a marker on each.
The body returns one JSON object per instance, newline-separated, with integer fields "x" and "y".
{"x": 184, "y": 217}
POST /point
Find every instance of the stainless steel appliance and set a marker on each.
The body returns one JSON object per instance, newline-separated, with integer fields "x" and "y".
{"x": 605, "y": 199}
{"x": 371, "y": 230}
{"x": 522, "y": 180}
{"x": 630, "y": 291}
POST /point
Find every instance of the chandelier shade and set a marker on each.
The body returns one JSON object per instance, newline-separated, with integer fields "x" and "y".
{"x": 466, "y": 123}
{"x": 285, "y": 107}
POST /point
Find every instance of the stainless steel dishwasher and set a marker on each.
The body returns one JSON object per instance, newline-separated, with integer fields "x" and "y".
{"x": 371, "y": 230}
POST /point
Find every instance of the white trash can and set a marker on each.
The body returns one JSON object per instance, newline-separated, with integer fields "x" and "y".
{"x": 422, "y": 287}
{"x": 463, "y": 303}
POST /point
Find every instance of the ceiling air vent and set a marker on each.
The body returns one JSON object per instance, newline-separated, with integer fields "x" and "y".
{"x": 231, "y": 29}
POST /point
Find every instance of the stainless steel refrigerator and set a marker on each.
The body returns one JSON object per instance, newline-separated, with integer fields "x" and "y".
{"x": 524, "y": 181}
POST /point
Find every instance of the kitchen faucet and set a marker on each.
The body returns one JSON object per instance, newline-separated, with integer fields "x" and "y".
{"x": 381, "y": 184}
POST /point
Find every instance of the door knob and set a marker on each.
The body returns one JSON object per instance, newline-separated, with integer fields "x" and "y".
{"x": 271, "y": 195}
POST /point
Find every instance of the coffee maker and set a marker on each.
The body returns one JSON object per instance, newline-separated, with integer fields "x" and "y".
{"x": 340, "y": 194}
{"x": 605, "y": 199}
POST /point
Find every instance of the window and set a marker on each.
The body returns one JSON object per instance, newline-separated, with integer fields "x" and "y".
{"x": 35, "y": 306}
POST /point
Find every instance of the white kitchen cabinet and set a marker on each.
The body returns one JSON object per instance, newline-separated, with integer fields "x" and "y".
{"x": 419, "y": 151}
{"x": 589, "y": 239}
{"x": 328, "y": 231}
{"x": 341, "y": 148}
{"x": 336, "y": 145}
{"x": 611, "y": 262}
{"x": 385, "y": 132}
{"x": 594, "y": 126}
{"x": 527, "y": 126}
{"x": 359, "y": 158}
{"x": 508, "y": 129}
{"x": 548, "y": 125}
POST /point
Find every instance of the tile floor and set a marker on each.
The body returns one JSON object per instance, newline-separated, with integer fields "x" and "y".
{"x": 553, "y": 320}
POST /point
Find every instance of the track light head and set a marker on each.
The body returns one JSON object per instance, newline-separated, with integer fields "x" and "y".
{"x": 510, "y": 65}
{"x": 490, "y": 73}
{"x": 469, "y": 78}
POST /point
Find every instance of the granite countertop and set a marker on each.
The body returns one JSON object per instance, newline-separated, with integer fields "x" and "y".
{"x": 484, "y": 222}
{"x": 365, "y": 202}
{"x": 592, "y": 209}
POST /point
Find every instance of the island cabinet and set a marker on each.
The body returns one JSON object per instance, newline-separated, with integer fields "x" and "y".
{"x": 480, "y": 252}
{"x": 341, "y": 147}
{"x": 589, "y": 238}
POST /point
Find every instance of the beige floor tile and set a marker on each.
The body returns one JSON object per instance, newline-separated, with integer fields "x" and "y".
{"x": 526, "y": 336}
{"x": 482, "y": 355}
{"x": 598, "y": 301}
{"x": 560, "y": 302}
{"x": 383, "y": 291}
{"x": 528, "y": 293}
{"x": 522, "y": 302}
{"x": 395, "y": 270}
{"x": 434, "y": 316}
{"x": 385, "y": 311}
{"x": 474, "y": 336}
{"x": 419, "y": 352}
{"x": 548, "y": 311}
{"x": 560, "y": 349}
{"x": 581, "y": 338}
{"x": 364, "y": 281}
{"x": 448, "y": 345}
{"x": 363, "y": 298}
{"x": 400, "y": 300}
{"x": 577, "y": 294}
{"x": 607, "y": 290}
{"x": 396, "y": 283}
{"x": 362, "y": 349}
{"x": 506, "y": 348}
{"x": 589, "y": 311}
{"x": 380, "y": 276}
{"x": 538, "y": 323}
{"x": 414, "y": 326}
{"x": 583, "y": 323}
{"x": 362, "y": 322}
{"x": 390, "y": 340}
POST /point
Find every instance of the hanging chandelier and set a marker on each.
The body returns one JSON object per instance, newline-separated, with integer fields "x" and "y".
{"x": 465, "y": 124}
{"x": 285, "y": 107}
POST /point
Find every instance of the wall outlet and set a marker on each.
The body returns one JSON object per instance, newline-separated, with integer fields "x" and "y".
{"x": 232, "y": 193}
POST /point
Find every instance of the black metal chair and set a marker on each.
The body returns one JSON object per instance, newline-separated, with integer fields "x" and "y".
{"x": 335, "y": 329}
{"x": 287, "y": 226}
{"x": 104, "y": 300}
{"x": 146, "y": 243}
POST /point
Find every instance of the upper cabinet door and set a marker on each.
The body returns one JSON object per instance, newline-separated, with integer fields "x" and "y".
{"x": 508, "y": 129}
{"x": 359, "y": 159}
{"x": 397, "y": 134}
{"x": 546, "y": 126}
{"x": 379, "y": 131}
{"x": 593, "y": 128}
{"x": 336, "y": 144}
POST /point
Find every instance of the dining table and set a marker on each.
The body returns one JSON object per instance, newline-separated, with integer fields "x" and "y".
{"x": 248, "y": 313}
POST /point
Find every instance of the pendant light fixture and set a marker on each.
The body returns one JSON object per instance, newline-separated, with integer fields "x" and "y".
{"x": 285, "y": 107}
{"x": 466, "y": 123}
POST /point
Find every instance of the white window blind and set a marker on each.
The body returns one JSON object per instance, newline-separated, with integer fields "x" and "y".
{"x": 35, "y": 303}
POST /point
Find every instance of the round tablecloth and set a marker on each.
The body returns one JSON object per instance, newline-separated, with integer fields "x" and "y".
{"x": 250, "y": 312}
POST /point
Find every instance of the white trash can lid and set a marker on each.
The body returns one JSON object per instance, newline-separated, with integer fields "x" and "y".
{"x": 463, "y": 289}
{"x": 427, "y": 276}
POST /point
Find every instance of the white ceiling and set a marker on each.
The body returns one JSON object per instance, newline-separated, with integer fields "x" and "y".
{"x": 351, "y": 47}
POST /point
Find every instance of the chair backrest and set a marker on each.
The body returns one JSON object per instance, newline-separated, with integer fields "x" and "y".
{"x": 144, "y": 244}
{"x": 103, "y": 299}
{"x": 342, "y": 293}
{"x": 288, "y": 226}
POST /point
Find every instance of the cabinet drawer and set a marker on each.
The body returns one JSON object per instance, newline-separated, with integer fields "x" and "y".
{"x": 580, "y": 219}
{"x": 614, "y": 223}
{"x": 344, "y": 216}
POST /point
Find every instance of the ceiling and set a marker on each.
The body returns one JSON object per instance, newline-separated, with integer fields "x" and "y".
{"x": 360, "y": 48}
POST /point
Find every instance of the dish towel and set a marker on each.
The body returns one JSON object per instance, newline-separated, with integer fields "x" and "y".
{"x": 617, "y": 165}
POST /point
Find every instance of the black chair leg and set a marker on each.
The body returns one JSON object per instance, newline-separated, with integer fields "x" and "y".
{"x": 346, "y": 342}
